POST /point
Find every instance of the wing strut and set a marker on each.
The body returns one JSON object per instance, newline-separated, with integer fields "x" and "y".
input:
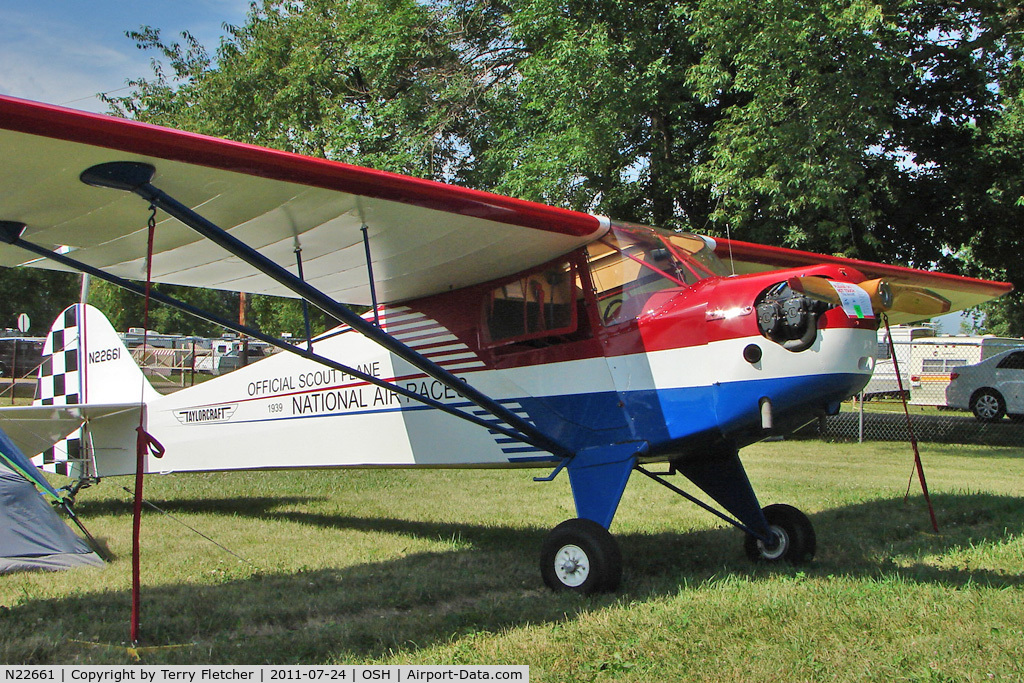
{"x": 369, "y": 273}
{"x": 10, "y": 232}
{"x": 135, "y": 177}
{"x": 305, "y": 304}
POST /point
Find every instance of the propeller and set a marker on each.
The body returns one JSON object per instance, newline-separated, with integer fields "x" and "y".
{"x": 885, "y": 296}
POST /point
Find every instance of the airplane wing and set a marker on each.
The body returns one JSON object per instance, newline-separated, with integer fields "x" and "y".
{"x": 425, "y": 237}
{"x": 959, "y": 292}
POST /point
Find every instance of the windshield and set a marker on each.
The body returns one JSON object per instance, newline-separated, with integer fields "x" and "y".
{"x": 632, "y": 262}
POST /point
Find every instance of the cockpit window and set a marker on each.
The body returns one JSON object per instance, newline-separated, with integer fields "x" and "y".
{"x": 631, "y": 262}
{"x": 540, "y": 304}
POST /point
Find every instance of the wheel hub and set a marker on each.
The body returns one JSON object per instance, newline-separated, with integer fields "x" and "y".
{"x": 779, "y": 548}
{"x": 988, "y": 407}
{"x": 572, "y": 565}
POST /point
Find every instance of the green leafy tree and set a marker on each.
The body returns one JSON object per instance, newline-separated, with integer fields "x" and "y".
{"x": 285, "y": 317}
{"x": 879, "y": 129}
{"x": 381, "y": 82}
{"x": 40, "y": 294}
{"x": 268, "y": 314}
{"x": 378, "y": 83}
{"x": 125, "y": 309}
{"x": 597, "y": 116}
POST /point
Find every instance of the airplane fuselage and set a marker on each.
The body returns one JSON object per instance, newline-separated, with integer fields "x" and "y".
{"x": 689, "y": 371}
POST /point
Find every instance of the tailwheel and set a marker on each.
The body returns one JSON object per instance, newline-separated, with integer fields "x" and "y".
{"x": 580, "y": 555}
{"x": 794, "y": 535}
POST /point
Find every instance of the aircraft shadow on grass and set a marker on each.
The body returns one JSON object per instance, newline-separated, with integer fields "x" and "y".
{"x": 488, "y": 581}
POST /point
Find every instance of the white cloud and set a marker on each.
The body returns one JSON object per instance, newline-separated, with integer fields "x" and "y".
{"x": 65, "y": 53}
{"x": 56, "y": 61}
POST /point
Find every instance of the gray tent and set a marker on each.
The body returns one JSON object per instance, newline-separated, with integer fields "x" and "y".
{"x": 32, "y": 535}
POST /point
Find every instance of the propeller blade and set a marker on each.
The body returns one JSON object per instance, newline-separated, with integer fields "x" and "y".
{"x": 820, "y": 288}
{"x": 816, "y": 288}
{"x": 881, "y": 294}
{"x": 918, "y": 300}
{"x": 885, "y": 296}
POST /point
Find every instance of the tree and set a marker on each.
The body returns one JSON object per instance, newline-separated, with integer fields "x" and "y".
{"x": 269, "y": 314}
{"x": 41, "y": 294}
{"x": 598, "y": 116}
{"x": 378, "y": 81}
{"x": 125, "y": 309}
{"x": 879, "y": 129}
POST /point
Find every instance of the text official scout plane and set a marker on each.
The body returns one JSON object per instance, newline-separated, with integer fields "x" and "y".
{"x": 503, "y": 334}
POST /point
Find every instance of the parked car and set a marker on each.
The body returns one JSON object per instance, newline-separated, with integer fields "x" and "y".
{"x": 990, "y": 389}
{"x": 233, "y": 359}
{"x": 20, "y": 356}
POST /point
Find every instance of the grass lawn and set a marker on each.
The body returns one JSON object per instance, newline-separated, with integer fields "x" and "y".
{"x": 440, "y": 567}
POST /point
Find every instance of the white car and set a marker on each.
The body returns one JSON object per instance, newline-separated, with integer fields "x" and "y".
{"x": 990, "y": 389}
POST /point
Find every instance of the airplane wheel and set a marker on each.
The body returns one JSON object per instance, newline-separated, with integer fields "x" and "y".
{"x": 580, "y": 555}
{"x": 797, "y": 542}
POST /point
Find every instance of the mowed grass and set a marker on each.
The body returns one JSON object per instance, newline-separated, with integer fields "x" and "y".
{"x": 440, "y": 567}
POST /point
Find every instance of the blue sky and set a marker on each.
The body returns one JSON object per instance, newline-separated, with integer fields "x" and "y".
{"x": 65, "y": 51}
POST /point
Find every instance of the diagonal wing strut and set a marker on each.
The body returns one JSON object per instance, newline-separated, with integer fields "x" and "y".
{"x": 10, "y": 232}
{"x": 135, "y": 177}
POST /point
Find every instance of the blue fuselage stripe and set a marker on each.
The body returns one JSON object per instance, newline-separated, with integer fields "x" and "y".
{"x": 660, "y": 417}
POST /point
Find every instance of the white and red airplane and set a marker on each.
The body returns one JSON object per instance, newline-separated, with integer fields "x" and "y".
{"x": 502, "y": 333}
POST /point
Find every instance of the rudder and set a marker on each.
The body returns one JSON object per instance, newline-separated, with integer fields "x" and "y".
{"x": 84, "y": 361}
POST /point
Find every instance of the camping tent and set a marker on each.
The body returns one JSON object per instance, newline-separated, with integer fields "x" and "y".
{"x": 32, "y": 535}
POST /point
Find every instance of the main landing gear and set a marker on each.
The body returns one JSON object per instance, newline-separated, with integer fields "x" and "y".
{"x": 793, "y": 541}
{"x": 580, "y": 555}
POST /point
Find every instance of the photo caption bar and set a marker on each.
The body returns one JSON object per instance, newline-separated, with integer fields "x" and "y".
{"x": 154, "y": 673}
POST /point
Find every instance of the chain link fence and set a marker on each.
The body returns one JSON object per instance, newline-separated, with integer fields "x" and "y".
{"x": 957, "y": 390}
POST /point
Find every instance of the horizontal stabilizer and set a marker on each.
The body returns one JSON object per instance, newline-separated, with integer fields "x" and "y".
{"x": 34, "y": 429}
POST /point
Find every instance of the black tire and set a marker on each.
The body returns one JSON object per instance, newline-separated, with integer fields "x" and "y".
{"x": 987, "y": 405}
{"x": 580, "y": 555}
{"x": 797, "y": 542}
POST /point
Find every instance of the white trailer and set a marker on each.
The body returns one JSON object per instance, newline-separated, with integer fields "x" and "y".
{"x": 209, "y": 359}
{"x": 884, "y": 381}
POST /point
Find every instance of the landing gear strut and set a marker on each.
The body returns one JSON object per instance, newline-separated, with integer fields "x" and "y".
{"x": 774, "y": 533}
{"x": 580, "y": 555}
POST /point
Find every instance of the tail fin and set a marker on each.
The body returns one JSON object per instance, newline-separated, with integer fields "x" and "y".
{"x": 85, "y": 362}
